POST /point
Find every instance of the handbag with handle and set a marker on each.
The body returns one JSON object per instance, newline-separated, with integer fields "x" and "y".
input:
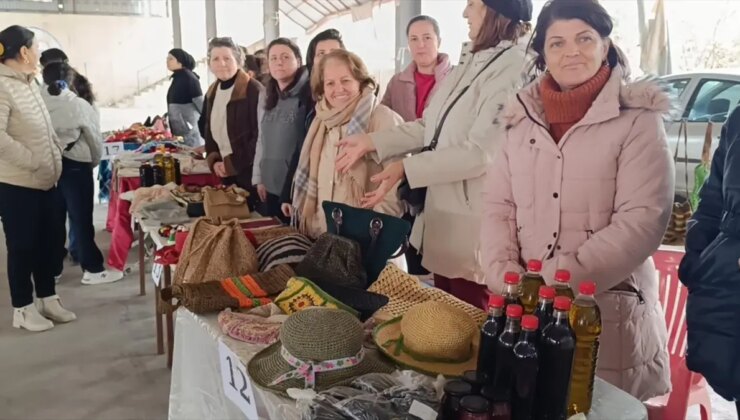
{"x": 228, "y": 203}
{"x": 381, "y": 237}
{"x": 215, "y": 250}
{"x": 415, "y": 197}
{"x": 682, "y": 208}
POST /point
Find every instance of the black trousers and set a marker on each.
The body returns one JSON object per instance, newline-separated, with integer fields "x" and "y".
{"x": 76, "y": 191}
{"x": 413, "y": 258}
{"x": 271, "y": 208}
{"x": 30, "y": 226}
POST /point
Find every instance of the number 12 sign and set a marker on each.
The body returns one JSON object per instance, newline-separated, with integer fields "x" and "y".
{"x": 237, "y": 386}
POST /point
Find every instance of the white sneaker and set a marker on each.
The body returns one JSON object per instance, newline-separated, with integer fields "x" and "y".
{"x": 106, "y": 276}
{"x": 28, "y": 317}
{"x": 51, "y": 307}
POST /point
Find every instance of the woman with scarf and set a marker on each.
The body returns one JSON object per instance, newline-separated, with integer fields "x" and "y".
{"x": 184, "y": 98}
{"x": 346, "y": 105}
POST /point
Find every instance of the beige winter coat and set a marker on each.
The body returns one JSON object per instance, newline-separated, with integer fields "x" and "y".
{"x": 335, "y": 187}
{"x": 29, "y": 153}
{"x": 447, "y": 231}
{"x": 596, "y": 204}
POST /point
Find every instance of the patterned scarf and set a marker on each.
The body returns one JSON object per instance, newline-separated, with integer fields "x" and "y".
{"x": 306, "y": 187}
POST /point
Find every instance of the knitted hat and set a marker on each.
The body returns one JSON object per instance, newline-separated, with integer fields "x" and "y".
{"x": 516, "y": 10}
{"x": 319, "y": 348}
{"x": 405, "y": 291}
{"x": 289, "y": 249}
{"x": 432, "y": 337}
{"x": 183, "y": 58}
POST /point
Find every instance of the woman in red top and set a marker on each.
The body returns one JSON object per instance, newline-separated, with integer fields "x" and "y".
{"x": 408, "y": 92}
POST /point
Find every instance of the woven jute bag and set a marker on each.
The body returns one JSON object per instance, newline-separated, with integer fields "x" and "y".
{"x": 682, "y": 210}
{"x": 215, "y": 250}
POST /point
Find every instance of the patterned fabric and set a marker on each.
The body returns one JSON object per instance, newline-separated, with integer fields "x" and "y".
{"x": 290, "y": 249}
{"x": 306, "y": 188}
{"x": 254, "y": 329}
{"x": 246, "y": 291}
{"x": 308, "y": 369}
{"x": 301, "y": 293}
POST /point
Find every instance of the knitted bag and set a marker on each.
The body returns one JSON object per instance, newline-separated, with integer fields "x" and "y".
{"x": 213, "y": 251}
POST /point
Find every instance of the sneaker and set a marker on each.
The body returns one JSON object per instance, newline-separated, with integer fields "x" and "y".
{"x": 29, "y": 318}
{"x": 106, "y": 276}
{"x": 51, "y": 307}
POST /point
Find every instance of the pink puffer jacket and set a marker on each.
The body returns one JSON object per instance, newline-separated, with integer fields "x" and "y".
{"x": 597, "y": 204}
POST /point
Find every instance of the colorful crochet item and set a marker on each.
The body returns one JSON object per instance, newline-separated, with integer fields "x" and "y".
{"x": 301, "y": 293}
{"x": 246, "y": 290}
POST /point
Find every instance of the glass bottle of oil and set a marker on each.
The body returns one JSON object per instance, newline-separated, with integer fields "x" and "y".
{"x": 562, "y": 284}
{"x": 169, "y": 168}
{"x": 531, "y": 282}
{"x": 585, "y": 319}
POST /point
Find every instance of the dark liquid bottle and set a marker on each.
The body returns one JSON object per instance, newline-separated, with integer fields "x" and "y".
{"x": 557, "y": 347}
{"x": 178, "y": 175}
{"x": 562, "y": 284}
{"x": 526, "y": 365}
{"x": 474, "y": 407}
{"x": 544, "y": 306}
{"x": 158, "y": 172}
{"x": 146, "y": 175}
{"x": 505, "y": 352}
{"x": 454, "y": 391}
{"x": 511, "y": 292}
{"x": 531, "y": 283}
{"x": 489, "y": 333}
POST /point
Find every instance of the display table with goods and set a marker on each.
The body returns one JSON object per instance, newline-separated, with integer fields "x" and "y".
{"x": 272, "y": 324}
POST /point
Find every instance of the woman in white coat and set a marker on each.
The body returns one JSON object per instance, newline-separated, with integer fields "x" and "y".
{"x": 461, "y": 125}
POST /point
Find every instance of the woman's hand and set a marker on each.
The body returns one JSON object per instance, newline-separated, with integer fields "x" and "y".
{"x": 351, "y": 150}
{"x": 287, "y": 209}
{"x": 219, "y": 169}
{"x": 387, "y": 179}
{"x": 262, "y": 192}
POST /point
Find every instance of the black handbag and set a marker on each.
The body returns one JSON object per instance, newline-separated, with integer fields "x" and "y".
{"x": 415, "y": 197}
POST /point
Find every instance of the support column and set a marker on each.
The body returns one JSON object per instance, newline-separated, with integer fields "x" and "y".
{"x": 211, "y": 28}
{"x": 271, "y": 19}
{"x": 405, "y": 10}
{"x": 176, "y": 24}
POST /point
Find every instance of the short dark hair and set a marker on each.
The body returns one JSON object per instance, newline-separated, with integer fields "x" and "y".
{"x": 327, "y": 35}
{"x": 53, "y": 55}
{"x": 226, "y": 42}
{"x": 12, "y": 39}
{"x": 424, "y": 18}
{"x": 252, "y": 63}
{"x": 589, "y": 11}
{"x": 496, "y": 28}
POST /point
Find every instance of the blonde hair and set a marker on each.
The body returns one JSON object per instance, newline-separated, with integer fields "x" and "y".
{"x": 356, "y": 66}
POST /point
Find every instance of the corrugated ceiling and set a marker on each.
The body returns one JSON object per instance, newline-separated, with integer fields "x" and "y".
{"x": 309, "y": 14}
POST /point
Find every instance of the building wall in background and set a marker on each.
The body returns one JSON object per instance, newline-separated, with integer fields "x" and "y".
{"x": 118, "y": 54}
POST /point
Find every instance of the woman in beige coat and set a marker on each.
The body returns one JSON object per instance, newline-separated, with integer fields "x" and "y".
{"x": 448, "y": 229}
{"x": 584, "y": 182}
{"x": 346, "y": 105}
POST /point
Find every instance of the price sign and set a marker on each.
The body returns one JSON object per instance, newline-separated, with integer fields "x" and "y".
{"x": 236, "y": 382}
{"x": 110, "y": 150}
{"x": 157, "y": 271}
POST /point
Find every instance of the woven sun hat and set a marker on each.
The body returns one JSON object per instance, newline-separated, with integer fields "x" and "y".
{"x": 433, "y": 338}
{"x": 319, "y": 348}
{"x": 405, "y": 291}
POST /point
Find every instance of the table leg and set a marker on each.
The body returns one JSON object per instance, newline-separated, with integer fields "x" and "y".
{"x": 169, "y": 320}
{"x": 158, "y": 319}
{"x": 142, "y": 264}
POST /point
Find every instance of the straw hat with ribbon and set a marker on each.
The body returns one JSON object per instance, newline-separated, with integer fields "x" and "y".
{"x": 319, "y": 348}
{"x": 433, "y": 338}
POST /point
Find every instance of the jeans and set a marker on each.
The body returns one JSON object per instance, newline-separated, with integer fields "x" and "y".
{"x": 30, "y": 222}
{"x": 77, "y": 189}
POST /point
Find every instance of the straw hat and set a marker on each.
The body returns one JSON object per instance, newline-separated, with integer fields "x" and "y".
{"x": 319, "y": 348}
{"x": 432, "y": 337}
{"x": 405, "y": 291}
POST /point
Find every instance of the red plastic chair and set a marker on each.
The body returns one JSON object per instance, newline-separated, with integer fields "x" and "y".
{"x": 689, "y": 388}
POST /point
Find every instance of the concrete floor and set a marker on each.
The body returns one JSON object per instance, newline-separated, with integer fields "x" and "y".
{"x": 103, "y": 366}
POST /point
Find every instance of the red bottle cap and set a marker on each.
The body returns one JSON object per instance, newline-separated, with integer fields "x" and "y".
{"x": 534, "y": 266}
{"x": 562, "y": 303}
{"x": 547, "y": 292}
{"x": 496, "y": 301}
{"x": 587, "y": 288}
{"x": 530, "y": 322}
{"x": 562, "y": 276}
{"x": 514, "y": 311}
{"x": 511, "y": 278}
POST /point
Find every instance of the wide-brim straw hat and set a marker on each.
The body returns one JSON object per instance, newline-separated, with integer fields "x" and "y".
{"x": 433, "y": 338}
{"x": 405, "y": 291}
{"x": 316, "y": 335}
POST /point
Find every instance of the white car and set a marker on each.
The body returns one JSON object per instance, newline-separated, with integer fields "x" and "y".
{"x": 703, "y": 98}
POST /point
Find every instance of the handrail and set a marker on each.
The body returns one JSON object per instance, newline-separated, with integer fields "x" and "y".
{"x": 144, "y": 81}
